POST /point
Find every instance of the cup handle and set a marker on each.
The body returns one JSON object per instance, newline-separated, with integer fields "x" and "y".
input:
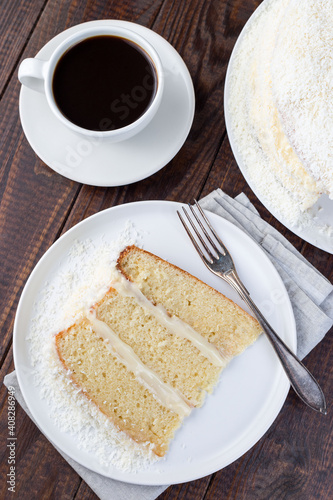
{"x": 31, "y": 73}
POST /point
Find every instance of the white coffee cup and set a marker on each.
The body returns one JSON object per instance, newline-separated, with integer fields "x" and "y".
{"x": 37, "y": 75}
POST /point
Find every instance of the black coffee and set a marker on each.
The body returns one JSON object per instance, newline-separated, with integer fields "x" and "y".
{"x": 104, "y": 83}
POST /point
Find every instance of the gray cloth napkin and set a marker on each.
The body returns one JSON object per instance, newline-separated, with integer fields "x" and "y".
{"x": 311, "y": 295}
{"x": 105, "y": 488}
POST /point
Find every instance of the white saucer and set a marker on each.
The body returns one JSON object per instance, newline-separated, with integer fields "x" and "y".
{"x": 98, "y": 163}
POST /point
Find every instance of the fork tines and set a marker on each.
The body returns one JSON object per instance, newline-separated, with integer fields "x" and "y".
{"x": 202, "y": 222}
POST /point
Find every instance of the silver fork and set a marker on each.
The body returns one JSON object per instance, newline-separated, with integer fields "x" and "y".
{"x": 219, "y": 261}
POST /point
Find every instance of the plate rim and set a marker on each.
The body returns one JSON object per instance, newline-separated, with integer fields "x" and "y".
{"x": 322, "y": 245}
{"x": 154, "y": 478}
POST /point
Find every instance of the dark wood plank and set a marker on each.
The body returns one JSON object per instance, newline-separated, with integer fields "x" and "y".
{"x": 85, "y": 493}
{"x": 287, "y": 462}
{"x": 226, "y": 175}
{"x": 18, "y": 20}
{"x": 293, "y": 460}
{"x": 194, "y": 489}
{"x": 35, "y": 456}
{"x": 35, "y": 203}
{"x": 44, "y": 197}
{"x": 201, "y": 40}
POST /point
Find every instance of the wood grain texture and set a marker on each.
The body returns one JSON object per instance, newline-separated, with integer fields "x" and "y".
{"x": 18, "y": 20}
{"x": 30, "y": 191}
{"x": 290, "y": 461}
{"x": 197, "y": 31}
{"x": 35, "y": 203}
{"x": 293, "y": 460}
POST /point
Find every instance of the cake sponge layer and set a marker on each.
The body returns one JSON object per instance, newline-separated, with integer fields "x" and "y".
{"x": 114, "y": 389}
{"x": 174, "y": 359}
{"x": 95, "y": 348}
{"x": 217, "y": 318}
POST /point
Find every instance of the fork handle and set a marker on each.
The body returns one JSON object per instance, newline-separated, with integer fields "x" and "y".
{"x": 303, "y": 383}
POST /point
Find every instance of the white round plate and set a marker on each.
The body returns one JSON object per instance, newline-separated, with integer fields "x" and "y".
{"x": 252, "y": 389}
{"x": 99, "y": 163}
{"x": 323, "y": 209}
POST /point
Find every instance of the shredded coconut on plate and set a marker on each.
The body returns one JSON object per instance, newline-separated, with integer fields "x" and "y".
{"x": 303, "y": 84}
{"x": 83, "y": 278}
{"x": 275, "y": 168}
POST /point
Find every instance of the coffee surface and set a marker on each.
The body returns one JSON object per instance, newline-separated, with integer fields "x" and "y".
{"x": 104, "y": 83}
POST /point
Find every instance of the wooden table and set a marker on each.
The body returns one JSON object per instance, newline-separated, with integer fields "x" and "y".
{"x": 294, "y": 458}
